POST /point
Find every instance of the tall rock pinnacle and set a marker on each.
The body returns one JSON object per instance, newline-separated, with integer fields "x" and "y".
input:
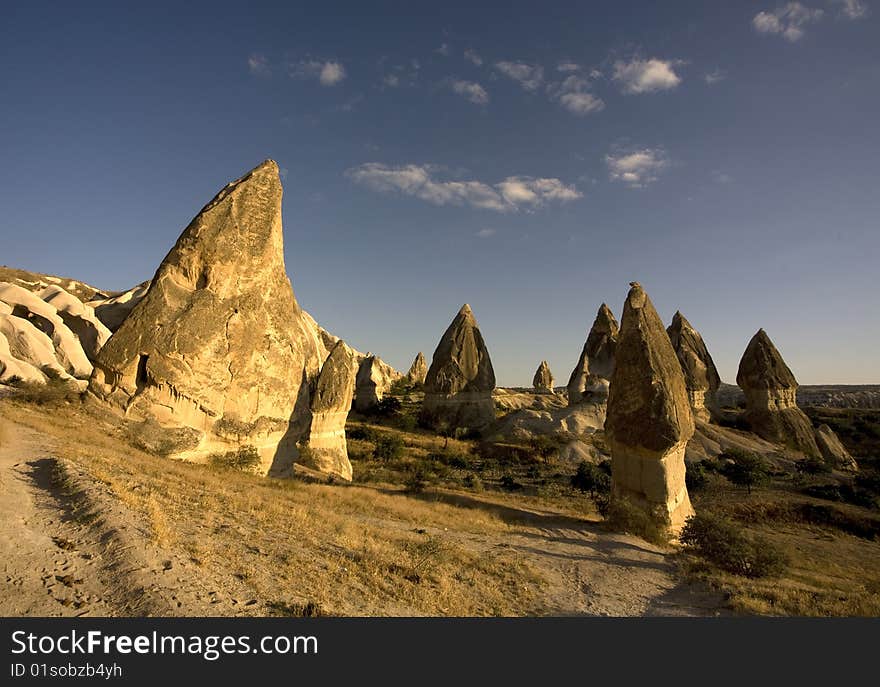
{"x": 590, "y": 377}
{"x": 700, "y": 375}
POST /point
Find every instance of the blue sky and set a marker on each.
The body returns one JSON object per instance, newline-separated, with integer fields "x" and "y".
{"x": 530, "y": 160}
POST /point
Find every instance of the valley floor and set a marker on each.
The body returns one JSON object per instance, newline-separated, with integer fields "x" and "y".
{"x": 90, "y": 525}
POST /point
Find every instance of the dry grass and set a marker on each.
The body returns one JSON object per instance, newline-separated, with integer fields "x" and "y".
{"x": 348, "y": 550}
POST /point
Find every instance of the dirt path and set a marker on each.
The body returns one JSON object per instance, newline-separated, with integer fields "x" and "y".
{"x": 49, "y": 566}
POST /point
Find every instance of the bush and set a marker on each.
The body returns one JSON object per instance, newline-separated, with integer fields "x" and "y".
{"x": 389, "y": 406}
{"x": 510, "y": 484}
{"x": 696, "y": 475}
{"x": 812, "y": 466}
{"x": 53, "y": 393}
{"x": 388, "y": 447}
{"x": 744, "y": 468}
{"x": 591, "y": 478}
{"x": 472, "y": 481}
{"x": 361, "y": 433}
{"x": 623, "y": 516}
{"x": 416, "y": 480}
{"x": 720, "y": 541}
{"x": 245, "y": 458}
{"x": 543, "y": 446}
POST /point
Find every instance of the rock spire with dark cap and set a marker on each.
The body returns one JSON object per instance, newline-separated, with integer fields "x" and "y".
{"x": 700, "y": 375}
{"x": 459, "y": 383}
{"x": 216, "y": 343}
{"x": 543, "y": 379}
{"x": 418, "y": 370}
{"x": 770, "y": 388}
{"x": 649, "y": 418}
{"x": 590, "y": 377}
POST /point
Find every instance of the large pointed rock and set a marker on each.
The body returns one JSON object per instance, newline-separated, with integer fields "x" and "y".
{"x": 649, "y": 418}
{"x": 459, "y": 383}
{"x": 217, "y": 343}
{"x": 700, "y": 375}
{"x": 418, "y": 370}
{"x": 771, "y": 407}
{"x": 833, "y": 451}
{"x": 374, "y": 379}
{"x": 590, "y": 377}
{"x": 330, "y": 403}
{"x": 543, "y": 379}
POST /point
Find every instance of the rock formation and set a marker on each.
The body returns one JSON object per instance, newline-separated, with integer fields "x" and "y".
{"x": 543, "y": 379}
{"x": 30, "y": 346}
{"x": 649, "y": 418}
{"x": 216, "y": 343}
{"x": 374, "y": 379}
{"x": 42, "y": 315}
{"x": 700, "y": 376}
{"x": 418, "y": 370}
{"x": 833, "y": 451}
{"x": 79, "y": 317}
{"x": 459, "y": 383}
{"x": 771, "y": 407}
{"x": 590, "y": 377}
{"x": 112, "y": 311}
{"x": 330, "y": 403}
{"x": 11, "y": 368}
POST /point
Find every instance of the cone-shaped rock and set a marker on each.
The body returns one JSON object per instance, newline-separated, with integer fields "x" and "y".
{"x": 459, "y": 383}
{"x": 700, "y": 375}
{"x": 216, "y": 343}
{"x": 330, "y": 404}
{"x": 833, "y": 450}
{"x": 770, "y": 388}
{"x": 543, "y": 380}
{"x": 649, "y": 418}
{"x": 418, "y": 370}
{"x": 590, "y": 377}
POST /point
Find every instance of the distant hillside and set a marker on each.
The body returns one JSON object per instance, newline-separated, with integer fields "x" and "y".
{"x": 818, "y": 395}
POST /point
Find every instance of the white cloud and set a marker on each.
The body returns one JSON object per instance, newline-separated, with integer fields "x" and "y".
{"x": 637, "y": 167}
{"x": 528, "y": 76}
{"x": 646, "y": 76}
{"x": 472, "y": 91}
{"x": 391, "y": 80}
{"x": 258, "y": 64}
{"x": 568, "y": 67}
{"x": 420, "y": 181}
{"x": 485, "y": 233}
{"x": 328, "y": 73}
{"x": 580, "y": 103}
{"x": 714, "y": 77}
{"x": 853, "y": 9}
{"x": 443, "y": 50}
{"x": 474, "y": 57}
{"x": 788, "y": 20}
{"x": 721, "y": 177}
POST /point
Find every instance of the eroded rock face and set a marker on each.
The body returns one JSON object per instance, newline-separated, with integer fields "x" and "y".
{"x": 543, "y": 379}
{"x": 331, "y": 401}
{"x": 28, "y": 306}
{"x": 459, "y": 383}
{"x": 649, "y": 418}
{"x": 418, "y": 370}
{"x": 700, "y": 375}
{"x": 216, "y": 342}
{"x": 833, "y": 451}
{"x": 113, "y": 311}
{"x": 79, "y": 317}
{"x": 29, "y": 345}
{"x": 590, "y": 377}
{"x": 11, "y": 368}
{"x": 771, "y": 407}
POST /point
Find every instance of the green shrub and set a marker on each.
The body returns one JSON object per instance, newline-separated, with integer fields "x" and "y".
{"x": 473, "y": 482}
{"x": 389, "y": 406}
{"x": 812, "y": 466}
{"x": 510, "y": 484}
{"x": 720, "y": 541}
{"x": 54, "y": 392}
{"x": 245, "y": 458}
{"x": 624, "y": 516}
{"x": 388, "y": 447}
{"x": 416, "y": 480}
{"x": 543, "y": 447}
{"x": 696, "y": 475}
{"x": 591, "y": 478}
{"x": 744, "y": 468}
{"x": 361, "y": 433}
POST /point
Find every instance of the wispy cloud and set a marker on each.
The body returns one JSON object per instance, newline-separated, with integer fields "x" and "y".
{"x": 443, "y": 50}
{"x": 529, "y": 76}
{"x": 853, "y": 9}
{"x": 474, "y": 57}
{"x": 572, "y": 93}
{"x": 646, "y": 76}
{"x": 485, "y": 233}
{"x": 636, "y": 167}
{"x": 788, "y": 21}
{"x": 721, "y": 177}
{"x": 471, "y": 90}
{"x": 258, "y": 64}
{"x": 714, "y": 77}
{"x": 421, "y": 181}
{"x": 568, "y": 66}
{"x": 391, "y": 80}
{"x": 328, "y": 73}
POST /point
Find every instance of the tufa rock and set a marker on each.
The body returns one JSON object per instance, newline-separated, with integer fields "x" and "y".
{"x": 543, "y": 379}
{"x": 770, "y": 390}
{"x": 112, "y": 311}
{"x": 217, "y": 342}
{"x": 79, "y": 317}
{"x": 459, "y": 383}
{"x": 374, "y": 379}
{"x": 590, "y": 377}
{"x": 700, "y": 375}
{"x": 833, "y": 451}
{"x": 331, "y": 401}
{"x": 30, "y": 346}
{"x": 418, "y": 370}
{"x": 649, "y": 418}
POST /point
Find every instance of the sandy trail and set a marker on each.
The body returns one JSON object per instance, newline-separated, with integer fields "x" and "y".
{"x": 49, "y": 565}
